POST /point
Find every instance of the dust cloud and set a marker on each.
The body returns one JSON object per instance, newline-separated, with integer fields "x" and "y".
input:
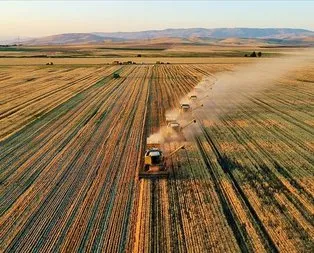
{"x": 229, "y": 89}
{"x": 165, "y": 134}
{"x": 252, "y": 79}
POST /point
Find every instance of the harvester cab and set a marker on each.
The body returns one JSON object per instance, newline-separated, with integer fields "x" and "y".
{"x": 170, "y": 118}
{"x": 155, "y": 162}
{"x": 193, "y": 97}
{"x": 174, "y": 125}
{"x": 185, "y": 108}
{"x": 154, "y": 158}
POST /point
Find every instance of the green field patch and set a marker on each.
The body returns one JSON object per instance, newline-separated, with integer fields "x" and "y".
{"x": 18, "y": 49}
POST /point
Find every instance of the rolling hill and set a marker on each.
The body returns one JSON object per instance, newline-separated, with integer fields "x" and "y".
{"x": 272, "y": 35}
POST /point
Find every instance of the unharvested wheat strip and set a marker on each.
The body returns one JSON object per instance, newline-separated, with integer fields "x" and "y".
{"x": 219, "y": 177}
{"x": 121, "y": 178}
{"x": 165, "y": 212}
{"x": 148, "y": 235}
{"x": 281, "y": 240}
{"x": 191, "y": 226}
{"x": 251, "y": 200}
{"x": 283, "y": 137}
{"x": 177, "y": 208}
{"x": 254, "y": 237}
{"x": 140, "y": 211}
{"x": 174, "y": 225}
{"x": 203, "y": 216}
{"x": 307, "y": 228}
{"x": 305, "y": 201}
{"x": 143, "y": 221}
{"x": 275, "y": 173}
{"x": 184, "y": 208}
{"x": 201, "y": 194}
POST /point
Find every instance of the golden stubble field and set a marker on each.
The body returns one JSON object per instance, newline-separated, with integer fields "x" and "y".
{"x": 172, "y": 52}
{"x": 109, "y": 60}
{"x": 72, "y": 142}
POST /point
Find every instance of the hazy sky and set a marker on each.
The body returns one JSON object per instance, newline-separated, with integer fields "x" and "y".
{"x": 37, "y": 18}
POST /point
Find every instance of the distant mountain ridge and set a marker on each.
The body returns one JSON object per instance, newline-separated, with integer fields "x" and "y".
{"x": 69, "y": 38}
{"x": 188, "y": 33}
{"x": 218, "y": 33}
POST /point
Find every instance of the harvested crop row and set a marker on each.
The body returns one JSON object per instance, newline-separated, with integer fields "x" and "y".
{"x": 23, "y": 102}
{"x": 84, "y": 186}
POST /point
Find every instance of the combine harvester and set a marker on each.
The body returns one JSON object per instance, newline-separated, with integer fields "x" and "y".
{"x": 187, "y": 109}
{"x": 193, "y": 98}
{"x": 184, "y": 108}
{"x": 155, "y": 163}
{"x": 175, "y": 126}
{"x": 170, "y": 118}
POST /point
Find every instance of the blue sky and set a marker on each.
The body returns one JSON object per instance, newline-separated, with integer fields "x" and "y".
{"x": 35, "y": 18}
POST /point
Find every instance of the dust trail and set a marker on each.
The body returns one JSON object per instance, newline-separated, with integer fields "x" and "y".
{"x": 164, "y": 135}
{"x": 246, "y": 81}
{"x": 229, "y": 89}
{"x": 250, "y": 80}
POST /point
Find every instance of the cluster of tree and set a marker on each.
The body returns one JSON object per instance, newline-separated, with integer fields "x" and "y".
{"x": 161, "y": 62}
{"x": 123, "y": 63}
{"x": 254, "y": 54}
{"x": 12, "y": 45}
